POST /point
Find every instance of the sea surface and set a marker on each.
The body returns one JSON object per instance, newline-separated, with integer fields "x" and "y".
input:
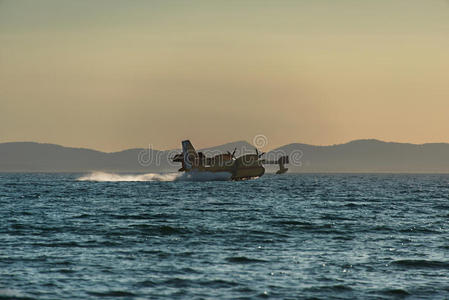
{"x": 107, "y": 236}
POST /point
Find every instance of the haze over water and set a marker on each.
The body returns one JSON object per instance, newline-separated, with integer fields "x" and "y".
{"x": 112, "y": 75}
{"x": 293, "y": 236}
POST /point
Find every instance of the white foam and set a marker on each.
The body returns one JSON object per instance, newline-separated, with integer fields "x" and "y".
{"x": 188, "y": 176}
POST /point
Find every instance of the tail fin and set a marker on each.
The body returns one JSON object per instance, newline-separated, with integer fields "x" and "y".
{"x": 189, "y": 154}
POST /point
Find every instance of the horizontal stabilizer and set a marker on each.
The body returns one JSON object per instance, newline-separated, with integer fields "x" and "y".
{"x": 282, "y": 160}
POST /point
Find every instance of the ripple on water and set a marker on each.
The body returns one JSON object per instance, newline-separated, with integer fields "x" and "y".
{"x": 113, "y": 293}
{"x": 244, "y": 260}
{"x": 395, "y": 292}
{"x": 161, "y": 229}
{"x": 421, "y": 264}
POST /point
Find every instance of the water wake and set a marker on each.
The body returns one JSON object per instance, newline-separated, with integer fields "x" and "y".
{"x": 190, "y": 176}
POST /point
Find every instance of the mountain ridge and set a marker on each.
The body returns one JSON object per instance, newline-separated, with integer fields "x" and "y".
{"x": 364, "y": 155}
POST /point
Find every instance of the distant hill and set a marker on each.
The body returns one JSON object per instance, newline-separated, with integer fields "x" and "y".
{"x": 368, "y": 156}
{"x": 242, "y": 147}
{"x": 355, "y": 156}
{"x": 37, "y": 157}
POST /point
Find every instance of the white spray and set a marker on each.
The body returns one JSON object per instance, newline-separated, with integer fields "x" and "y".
{"x": 188, "y": 176}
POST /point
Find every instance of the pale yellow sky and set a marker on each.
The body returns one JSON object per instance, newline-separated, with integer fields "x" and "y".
{"x": 112, "y": 75}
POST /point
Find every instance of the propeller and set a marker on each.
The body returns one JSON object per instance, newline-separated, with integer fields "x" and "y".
{"x": 178, "y": 155}
{"x": 259, "y": 155}
{"x": 233, "y": 153}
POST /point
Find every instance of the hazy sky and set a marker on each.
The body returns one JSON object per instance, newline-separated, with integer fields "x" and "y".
{"x": 116, "y": 74}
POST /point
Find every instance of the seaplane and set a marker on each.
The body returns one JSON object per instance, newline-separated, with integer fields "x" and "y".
{"x": 247, "y": 166}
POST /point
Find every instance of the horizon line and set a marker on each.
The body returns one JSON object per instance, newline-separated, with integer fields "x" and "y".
{"x": 232, "y": 142}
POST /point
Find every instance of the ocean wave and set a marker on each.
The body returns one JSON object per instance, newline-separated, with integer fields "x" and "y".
{"x": 112, "y": 294}
{"x": 244, "y": 260}
{"x": 421, "y": 263}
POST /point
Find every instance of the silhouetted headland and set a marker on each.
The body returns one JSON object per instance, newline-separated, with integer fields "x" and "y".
{"x": 356, "y": 156}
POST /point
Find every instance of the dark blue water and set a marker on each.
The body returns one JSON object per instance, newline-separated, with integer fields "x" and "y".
{"x": 292, "y": 236}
